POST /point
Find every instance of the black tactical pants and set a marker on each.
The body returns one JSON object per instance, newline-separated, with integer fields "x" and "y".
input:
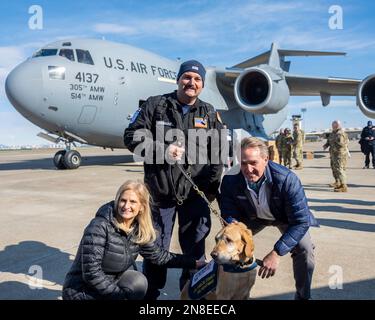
{"x": 370, "y": 150}
{"x": 194, "y": 224}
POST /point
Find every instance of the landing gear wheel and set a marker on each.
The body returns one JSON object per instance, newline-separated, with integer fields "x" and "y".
{"x": 58, "y": 159}
{"x": 72, "y": 159}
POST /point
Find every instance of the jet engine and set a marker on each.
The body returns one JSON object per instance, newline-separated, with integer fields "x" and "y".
{"x": 261, "y": 90}
{"x": 366, "y": 96}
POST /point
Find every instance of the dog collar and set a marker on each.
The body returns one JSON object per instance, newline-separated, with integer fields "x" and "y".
{"x": 240, "y": 268}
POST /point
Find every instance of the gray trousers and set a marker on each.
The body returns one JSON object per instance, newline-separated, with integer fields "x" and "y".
{"x": 303, "y": 260}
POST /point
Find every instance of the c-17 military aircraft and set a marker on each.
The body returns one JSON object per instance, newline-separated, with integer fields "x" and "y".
{"x": 86, "y": 90}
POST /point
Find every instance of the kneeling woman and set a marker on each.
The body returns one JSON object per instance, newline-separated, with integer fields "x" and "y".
{"x": 120, "y": 231}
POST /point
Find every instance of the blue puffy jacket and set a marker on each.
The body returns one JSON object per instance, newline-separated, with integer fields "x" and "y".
{"x": 288, "y": 204}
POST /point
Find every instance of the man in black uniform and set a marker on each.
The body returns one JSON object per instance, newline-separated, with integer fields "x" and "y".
{"x": 368, "y": 144}
{"x": 178, "y": 114}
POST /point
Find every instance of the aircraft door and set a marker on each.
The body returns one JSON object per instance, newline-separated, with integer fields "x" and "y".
{"x": 87, "y": 115}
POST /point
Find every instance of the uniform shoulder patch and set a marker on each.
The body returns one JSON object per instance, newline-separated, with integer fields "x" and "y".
{"x": 135, "y": 115}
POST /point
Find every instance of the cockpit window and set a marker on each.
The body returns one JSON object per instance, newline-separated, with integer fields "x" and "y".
{"x": 67, "y": 53}
{"x": 45, "y": 53}
{"x": 56, "y": 73}
{"x": 84, "y": 56}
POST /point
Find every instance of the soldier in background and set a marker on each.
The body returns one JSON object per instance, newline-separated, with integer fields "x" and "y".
{"x": 279, "y": 146}
{"x": 337, "y": 142}
{"x": 298, "y": 146}
{"x": 287, "y": 145}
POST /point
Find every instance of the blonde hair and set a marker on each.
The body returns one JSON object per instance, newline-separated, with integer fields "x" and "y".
{"x": 252, "y": 142}
{"x": 146, "y": 231}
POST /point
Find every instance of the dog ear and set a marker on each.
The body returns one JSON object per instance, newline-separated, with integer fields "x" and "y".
{"x": 219, "y": 235}
{"x": 247, "y": 237}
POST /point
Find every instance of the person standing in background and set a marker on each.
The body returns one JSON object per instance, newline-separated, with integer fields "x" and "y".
{"x": 337, "y": 142}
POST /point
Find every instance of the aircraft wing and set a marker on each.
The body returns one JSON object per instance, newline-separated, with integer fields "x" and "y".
{"x": 304, "y": 85}
{"x": 316, "y": 86}
{"x": 267, "y": 57}
{"x": 263, "y": 84}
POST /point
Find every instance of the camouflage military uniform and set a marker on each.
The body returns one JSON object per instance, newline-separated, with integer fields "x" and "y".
{"x": 297, "y": 148}
{"x": 279, "y": 146}
{"x": 287, "y": 145}
{"x": 337, "y": 142}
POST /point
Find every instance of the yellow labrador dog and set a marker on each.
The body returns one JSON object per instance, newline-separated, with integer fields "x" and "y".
{"x": 235, "y": 263}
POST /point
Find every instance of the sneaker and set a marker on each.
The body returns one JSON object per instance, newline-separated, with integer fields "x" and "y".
{"x": 366, "y": 167}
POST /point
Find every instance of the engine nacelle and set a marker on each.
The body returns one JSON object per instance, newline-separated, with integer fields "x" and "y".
{"x": 366, "y": 96}
{"x": 261, "y": 91}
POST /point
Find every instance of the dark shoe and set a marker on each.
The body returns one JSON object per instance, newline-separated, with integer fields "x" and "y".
{"x": 298, "y": 297}
{"x": 365, "y": 167}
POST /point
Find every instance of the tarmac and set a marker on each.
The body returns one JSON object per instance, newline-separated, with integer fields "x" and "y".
{"x": 43, "y": 212}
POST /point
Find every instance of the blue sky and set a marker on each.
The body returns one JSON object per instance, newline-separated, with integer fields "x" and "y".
{"x": 219, "y": 33}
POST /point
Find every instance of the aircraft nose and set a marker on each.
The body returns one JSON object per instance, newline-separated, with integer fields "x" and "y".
{"x": 23, "y": 87}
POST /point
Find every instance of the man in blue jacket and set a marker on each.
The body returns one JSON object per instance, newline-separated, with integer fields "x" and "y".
{"x": 264, "y": 194}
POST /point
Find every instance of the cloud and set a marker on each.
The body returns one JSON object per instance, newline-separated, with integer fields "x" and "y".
{"x": 179, "y": 29}
{"x": 16, "y": 130}
{"x": 112, "y": 28}
{"x": 10, "y": 57}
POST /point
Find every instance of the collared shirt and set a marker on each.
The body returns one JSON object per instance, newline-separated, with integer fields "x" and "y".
{"x": 185, "y": 108}
{"x": 261, "y": 193}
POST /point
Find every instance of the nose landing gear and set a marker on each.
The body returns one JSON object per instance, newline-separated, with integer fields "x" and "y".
{"x": 67, "y": 159}
{"x": 58, "y": 159}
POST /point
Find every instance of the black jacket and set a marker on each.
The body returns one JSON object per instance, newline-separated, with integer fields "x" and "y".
{"x": 105, "y": 252}
{"x": 368, "y": 133}
{"x": 159, "y": 115}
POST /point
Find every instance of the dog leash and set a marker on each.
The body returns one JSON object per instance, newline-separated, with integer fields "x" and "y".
{"x": 201, "y": 193}
{"x": 212, "y": 209}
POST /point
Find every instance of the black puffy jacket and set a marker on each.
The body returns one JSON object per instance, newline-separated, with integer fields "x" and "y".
{"x": 105, "y": 253}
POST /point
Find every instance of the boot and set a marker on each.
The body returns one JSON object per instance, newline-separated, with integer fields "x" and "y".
{"x": 342, "y": 188}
